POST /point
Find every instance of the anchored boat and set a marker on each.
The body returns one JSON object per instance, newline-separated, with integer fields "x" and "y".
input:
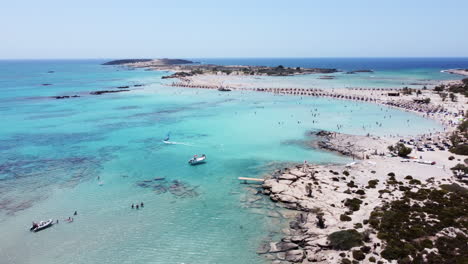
{"x": 197, "y": 160}
{"x": 41, "y": 225}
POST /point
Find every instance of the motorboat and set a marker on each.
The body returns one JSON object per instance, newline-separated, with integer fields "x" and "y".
{"x": 197, "y": 160}
{"x": 36, "y": 227}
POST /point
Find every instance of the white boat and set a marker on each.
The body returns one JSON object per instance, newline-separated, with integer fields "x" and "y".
{"x": 197, "y": 160}
{"x": 41, "y": 225}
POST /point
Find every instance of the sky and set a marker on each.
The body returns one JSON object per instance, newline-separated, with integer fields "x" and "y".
{"x": 35, "y": 29}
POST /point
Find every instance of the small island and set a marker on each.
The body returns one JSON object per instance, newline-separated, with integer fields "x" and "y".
{"x": 185, "y": 68}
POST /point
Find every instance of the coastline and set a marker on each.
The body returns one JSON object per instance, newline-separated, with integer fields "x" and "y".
{"x": 462, "y": 72}
{"x": 320, "y": 193}
{"x": 322, "y": 196}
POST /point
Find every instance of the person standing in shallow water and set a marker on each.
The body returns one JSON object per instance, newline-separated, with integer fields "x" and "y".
{"x": 76, "y": 213}
{"x": 133, "y": 206}
{"x": 137, "y": 206}
{"x": 141, "y": 205}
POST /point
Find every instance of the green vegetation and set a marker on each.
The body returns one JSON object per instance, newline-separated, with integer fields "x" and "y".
{"x": 346, "y": 261}
{"x": 415, "y": 182}
{"x": 460, "y": 149}
{"x": 458, "y": 139}
{"x": 366, "y": 249}
{"x": 358, "y": 255}
{"x": 196, "y": 71}
{"x": 407, "y": 91}
{"x": 453, "y": 97}
{"x": 353, "y": 204}
{"x": 460, "y": 170}
{"x": 372, "y": 184}
{"x": 345, "y": 239}
{"x": 345, "y": 218}
{"x": 360, "y": 192}
{"x": 400, "y": 149}
{"x": 351, "y": 184}
{"x": 406, "y": 225}
{"x": 459, "y": 88}
{"x": 439, "y": 88}
{"x": 443, "y": 96}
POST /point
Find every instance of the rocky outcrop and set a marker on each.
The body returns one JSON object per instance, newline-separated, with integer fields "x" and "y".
{"x": 65, "y": 96}
{"x": 358, "y": 71}
{"x": 108, "y": 91}
{"x": 222, "y": 89}
{"x": 356, "y": 146}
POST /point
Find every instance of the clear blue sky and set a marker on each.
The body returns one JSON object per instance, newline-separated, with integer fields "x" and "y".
{"x": 236, "y": 28}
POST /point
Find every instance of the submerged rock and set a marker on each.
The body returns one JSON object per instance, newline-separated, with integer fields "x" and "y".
{"x": 65, "y": 96}
{"x": 177, "y": 188}
{"x": 108, "y": 91}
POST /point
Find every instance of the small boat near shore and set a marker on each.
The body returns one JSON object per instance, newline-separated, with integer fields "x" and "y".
{"x": 197, "y": 160}
{"x": 36, "y": 227}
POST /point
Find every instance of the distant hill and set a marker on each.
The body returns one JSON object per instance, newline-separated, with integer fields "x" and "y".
{"x": 153, "y": 62}
{"x": 118, "y": 62}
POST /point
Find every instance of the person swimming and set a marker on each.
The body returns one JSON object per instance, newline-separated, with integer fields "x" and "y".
{"x": 133, "y": 206}
{"x": 137, "y": 207}
{"x": 141, "y": 205}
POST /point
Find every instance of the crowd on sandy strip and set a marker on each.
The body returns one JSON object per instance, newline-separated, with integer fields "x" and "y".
{"x": 446, "y": 112}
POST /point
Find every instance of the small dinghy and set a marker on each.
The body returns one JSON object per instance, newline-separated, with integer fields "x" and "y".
{"x": 36, "y": 227}
{"x": 197, "y": 160}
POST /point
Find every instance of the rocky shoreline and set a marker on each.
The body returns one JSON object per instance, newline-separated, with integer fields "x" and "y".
{"x": 334, "y": 201}
{"x": 331, "y": 198}
{"x": 463, "y": 72}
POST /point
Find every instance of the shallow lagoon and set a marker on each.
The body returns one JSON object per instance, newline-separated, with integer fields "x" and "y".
{"x": 52, "y": 151}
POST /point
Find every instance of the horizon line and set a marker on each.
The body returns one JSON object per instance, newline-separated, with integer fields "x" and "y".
{"x": 295, "y": 57}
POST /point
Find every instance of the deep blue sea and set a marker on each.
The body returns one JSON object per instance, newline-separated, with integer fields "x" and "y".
{"x": 346, "y": 63}
{"x": 98, "y": 154}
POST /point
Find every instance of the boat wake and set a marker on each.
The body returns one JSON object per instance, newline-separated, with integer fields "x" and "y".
{"x": 177, "y": 143}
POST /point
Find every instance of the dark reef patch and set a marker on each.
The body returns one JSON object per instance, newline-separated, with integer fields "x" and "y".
{"x": 177, "y": 188}
{"x": 49, "y": 139}
{"x": 129, "y": 107}
{"x": 26, "y": 180}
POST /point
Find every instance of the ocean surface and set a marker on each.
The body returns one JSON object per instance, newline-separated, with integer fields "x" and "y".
{"x": 99, "y": 154}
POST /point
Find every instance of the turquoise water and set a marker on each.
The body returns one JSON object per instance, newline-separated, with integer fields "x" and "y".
{"x": 53, "y": 151}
